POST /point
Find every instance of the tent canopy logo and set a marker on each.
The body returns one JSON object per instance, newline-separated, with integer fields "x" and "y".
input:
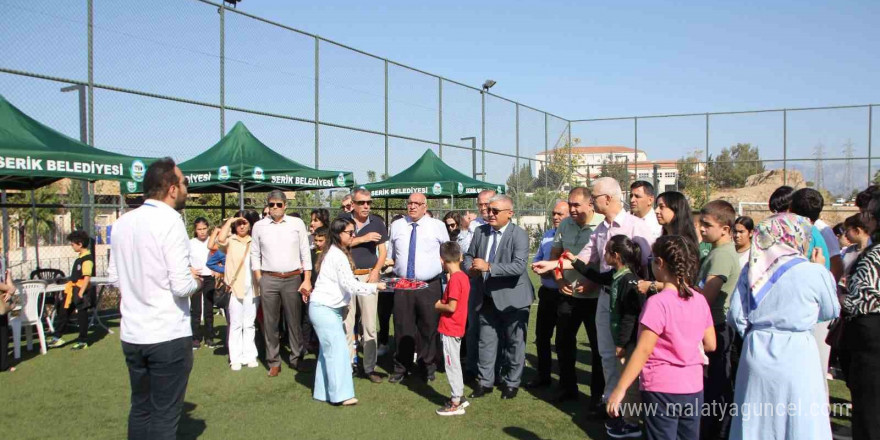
{"x": 223, "y": 173}
{"x": 131, "y": 186}
{"x": 437, "y": 189}
{"x": 258, "y": 174}
{"x": 340, "y": 179}
{"x": 460, "y": 187}
{"x": 498, "y": 190}
{"x": 138, "y": 169}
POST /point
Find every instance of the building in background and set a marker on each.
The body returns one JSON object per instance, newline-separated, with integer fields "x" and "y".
{"x": 589, "y": 161}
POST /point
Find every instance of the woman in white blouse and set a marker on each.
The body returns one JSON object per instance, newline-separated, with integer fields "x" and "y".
{"x": 327, "y": 302}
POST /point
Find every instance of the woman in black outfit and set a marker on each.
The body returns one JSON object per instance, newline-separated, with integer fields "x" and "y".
{"x": 861, "y": 334}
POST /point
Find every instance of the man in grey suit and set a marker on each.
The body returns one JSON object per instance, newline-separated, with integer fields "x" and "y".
{"x": 496, "y": 262}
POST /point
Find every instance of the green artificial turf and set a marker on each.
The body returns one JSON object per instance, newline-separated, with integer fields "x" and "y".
{"x": 85, "y": 394}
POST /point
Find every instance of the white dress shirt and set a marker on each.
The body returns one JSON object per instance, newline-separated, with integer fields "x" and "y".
{"x": 198, "y": 256}
{"x": 149, "y": 263}
{"x": 475, "y": 223}
{"x": 494, "y": 239}
{"x": 430, "y": 234}
{"x": 653, "y": 224}
{"x": 336, "y": 282}
{"x": 281, "y": 246}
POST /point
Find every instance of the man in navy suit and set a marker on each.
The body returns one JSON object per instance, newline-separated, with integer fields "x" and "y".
{"x": 496, "y": 262}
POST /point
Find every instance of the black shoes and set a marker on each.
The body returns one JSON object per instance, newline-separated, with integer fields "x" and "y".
{"x": 538, "y": 383}
{"x": 480, "y": 392}
{"x": 567, "y": 396}
{"x": 509, "y": 393}
{"x": 396, "y": 377}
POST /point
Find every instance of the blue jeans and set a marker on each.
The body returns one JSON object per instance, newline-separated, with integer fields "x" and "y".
{"x": 333, "y": 381}
{"x": 677, "y": 416}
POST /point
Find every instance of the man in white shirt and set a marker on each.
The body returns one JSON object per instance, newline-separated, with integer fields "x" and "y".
{"x": 149, "y": 263}
{"x": 282, "y": 264}
{"x": 414, "y": 245}
{"x": 641, "y": 205}
{"x": 198, "y": 255}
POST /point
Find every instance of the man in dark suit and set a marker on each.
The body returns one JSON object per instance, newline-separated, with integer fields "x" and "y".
{"x": 496, "y": 262}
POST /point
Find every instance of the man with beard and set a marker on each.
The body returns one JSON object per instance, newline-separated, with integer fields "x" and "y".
{"x": 149, "y": 263}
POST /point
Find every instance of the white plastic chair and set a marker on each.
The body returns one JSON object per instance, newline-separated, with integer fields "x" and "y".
{"x": 33, "y": 298}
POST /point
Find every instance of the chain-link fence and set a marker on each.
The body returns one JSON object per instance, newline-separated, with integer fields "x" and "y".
{"x": 739, "y": 156}
{"x": 169, "y": 78}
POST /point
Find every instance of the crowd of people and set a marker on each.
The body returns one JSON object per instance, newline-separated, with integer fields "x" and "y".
{"x": 701, "y": 325}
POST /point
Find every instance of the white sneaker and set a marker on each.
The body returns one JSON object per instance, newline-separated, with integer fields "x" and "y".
{"x": 382, "y": 351}
{"x": 253, "y": 364}
{"x": 235, "y": 367}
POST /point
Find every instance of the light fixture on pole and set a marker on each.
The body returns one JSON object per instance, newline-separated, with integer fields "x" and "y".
{"x": 488, "y": 85}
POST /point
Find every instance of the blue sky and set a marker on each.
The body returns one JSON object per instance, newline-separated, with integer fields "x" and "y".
{"x": 573, "y": 59}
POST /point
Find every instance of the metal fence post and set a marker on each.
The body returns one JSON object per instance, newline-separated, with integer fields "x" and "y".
{"x": 870, "y": 129}
{"x": 707, "y": 157}
{"x": 636, "y": 141}
{"x": 90, "y": 225}
{"x": 440, "y": 116}
{"x": 571, "y": 159}
{"x": 222, "y": 70}
{"x": 317, "y": 117}
{"x": 516, "y": 179}
{"x": 483, "y": 133}
{"x": 387, "y": 213}
{"x": 785, "y": 147}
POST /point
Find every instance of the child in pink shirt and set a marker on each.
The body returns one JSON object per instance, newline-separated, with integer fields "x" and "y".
{"x": 674, "y": 323}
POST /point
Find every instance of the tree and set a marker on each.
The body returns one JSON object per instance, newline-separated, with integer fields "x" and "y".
{"x": 74, "y": 196}
{"x": 616, "y": 170}
{"x": 734, "y": 165}
{"x": 371, "y": 176}
{"x": 559, "y": 167}
{"x": 876, "y": 179}
{"x": 520, "y": 181}
{"x": 23, "y": 218}
{"x": 692, "y": 180}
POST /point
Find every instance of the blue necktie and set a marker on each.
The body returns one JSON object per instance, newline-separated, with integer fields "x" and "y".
{"x": 411, "y": 257}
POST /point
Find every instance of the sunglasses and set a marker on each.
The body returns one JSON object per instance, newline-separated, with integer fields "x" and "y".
{"x": 363, "y": 202}
{"x": 275, "y": 204}
{"x": 346, "y": 206}
{"x": 496, "y": 211}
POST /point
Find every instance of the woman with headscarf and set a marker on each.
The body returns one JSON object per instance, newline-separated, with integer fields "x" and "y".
{"x": 780, "y": 390}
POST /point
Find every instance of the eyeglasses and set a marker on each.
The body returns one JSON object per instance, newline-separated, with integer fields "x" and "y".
{"x": 451, "y": 225}
{"x": 594, "y": 198}
{"x": 275, "y": 204}
{"x": 414, "y": 203}
{"x": 363, "y": 202}
{"x": 496, "y": 211}
{"x": 350, "y": 232}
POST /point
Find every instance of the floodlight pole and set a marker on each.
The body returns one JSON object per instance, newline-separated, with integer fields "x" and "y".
{"x": 84, "y": 138}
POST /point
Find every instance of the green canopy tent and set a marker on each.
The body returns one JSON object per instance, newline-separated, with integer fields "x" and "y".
{"x": 432, "y": 177}
{"x": 240, "y": 162}
{"x": 32, "y": 155}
